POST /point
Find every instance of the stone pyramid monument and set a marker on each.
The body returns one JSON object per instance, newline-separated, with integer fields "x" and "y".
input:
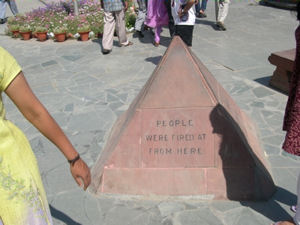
{"x": 183, "y": 135}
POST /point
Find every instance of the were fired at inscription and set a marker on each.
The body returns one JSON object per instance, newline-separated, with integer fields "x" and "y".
{"x": 174, "y": 137}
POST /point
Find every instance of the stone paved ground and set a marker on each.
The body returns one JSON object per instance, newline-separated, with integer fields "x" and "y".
{"x": 86, "y": 92}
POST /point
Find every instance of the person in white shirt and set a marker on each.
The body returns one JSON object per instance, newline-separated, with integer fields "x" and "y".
{"x": 184, "y": 19}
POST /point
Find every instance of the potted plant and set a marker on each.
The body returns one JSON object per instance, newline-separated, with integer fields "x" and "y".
{"x": 41, "y": 33}
{"x": 84, "y": 30}
{"x": 14, "y": 29}
{"x": 60, "y": 33}
{"x": 25, "y": 32}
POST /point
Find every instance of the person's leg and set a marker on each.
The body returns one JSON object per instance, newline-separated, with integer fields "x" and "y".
{"x": 171, "y": 20}
{"x": 203, "y": 5}
{"x": 108, "y": 31}
{"x": 223, "y": 12}
{"x": 197, "y": 7}
{"x": 2, "y": 11}
{"x": 13, "y": 6}
{"x": 157, "y": 32}
{"x": 140, "y": 19}
{"x": 185, "y": 32}
{"x": 120, "y": 25}
{"x": 200, "y": 10}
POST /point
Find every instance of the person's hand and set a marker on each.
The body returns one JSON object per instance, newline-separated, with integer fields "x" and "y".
{"x": 125, "y": 6}
{"x": 181, "y": 13}
{"x": 81, "y": 173}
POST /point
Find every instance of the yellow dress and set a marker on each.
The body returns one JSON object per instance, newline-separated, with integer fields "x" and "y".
{"x": 22, "y": 196}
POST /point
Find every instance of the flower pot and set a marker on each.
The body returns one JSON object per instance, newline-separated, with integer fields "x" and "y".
{"x": 15, "y": 33}
{"x": 60, "y": 37}
{"x": 26, "y": 35}
{"x": 84, "y": 36}
{"x": 41, "y": 36}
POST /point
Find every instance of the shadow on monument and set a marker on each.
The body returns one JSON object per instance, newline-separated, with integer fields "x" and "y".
{"x": 62, "y": 216}
{"x": 238, "y": 169}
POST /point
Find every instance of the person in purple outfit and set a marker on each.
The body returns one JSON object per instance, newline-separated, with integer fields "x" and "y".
{"x": 157, "y": 16}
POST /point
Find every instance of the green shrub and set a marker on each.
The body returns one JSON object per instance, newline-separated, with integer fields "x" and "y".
{"x": 40, "y": 29}
{"x": 130, "y": 20}
{"x": 25, "y": 28}
{"x": 60, "y": 30}
{"x": 83, "y": 28}
{"x": 14, "y": 27}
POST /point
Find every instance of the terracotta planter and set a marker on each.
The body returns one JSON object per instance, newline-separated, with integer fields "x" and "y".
{"x": 84, "y": 36}
{"x": 41, "y": 36}
{"x": 60, "y": 37}
{"x": 15, "y": 33}
{"x": 26, "y": 35}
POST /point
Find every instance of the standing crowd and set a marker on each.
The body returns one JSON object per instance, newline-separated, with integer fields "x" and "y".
{"x": 178, "y": 15}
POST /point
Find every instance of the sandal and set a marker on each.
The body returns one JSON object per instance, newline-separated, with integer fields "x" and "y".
{"x": 293, "y": 208}
{"x": 106, "y": 51}
{"x": 156, "y": 44}
{"x": 128, "y": 44}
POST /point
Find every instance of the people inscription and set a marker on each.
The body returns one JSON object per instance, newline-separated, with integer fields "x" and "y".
{"x": 175, "y": 138}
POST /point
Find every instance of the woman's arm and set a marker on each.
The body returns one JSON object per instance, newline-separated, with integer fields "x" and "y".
{"x": 28, "y": 104}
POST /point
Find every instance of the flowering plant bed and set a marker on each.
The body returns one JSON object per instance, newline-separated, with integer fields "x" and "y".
{"x": 55, "y": 16}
